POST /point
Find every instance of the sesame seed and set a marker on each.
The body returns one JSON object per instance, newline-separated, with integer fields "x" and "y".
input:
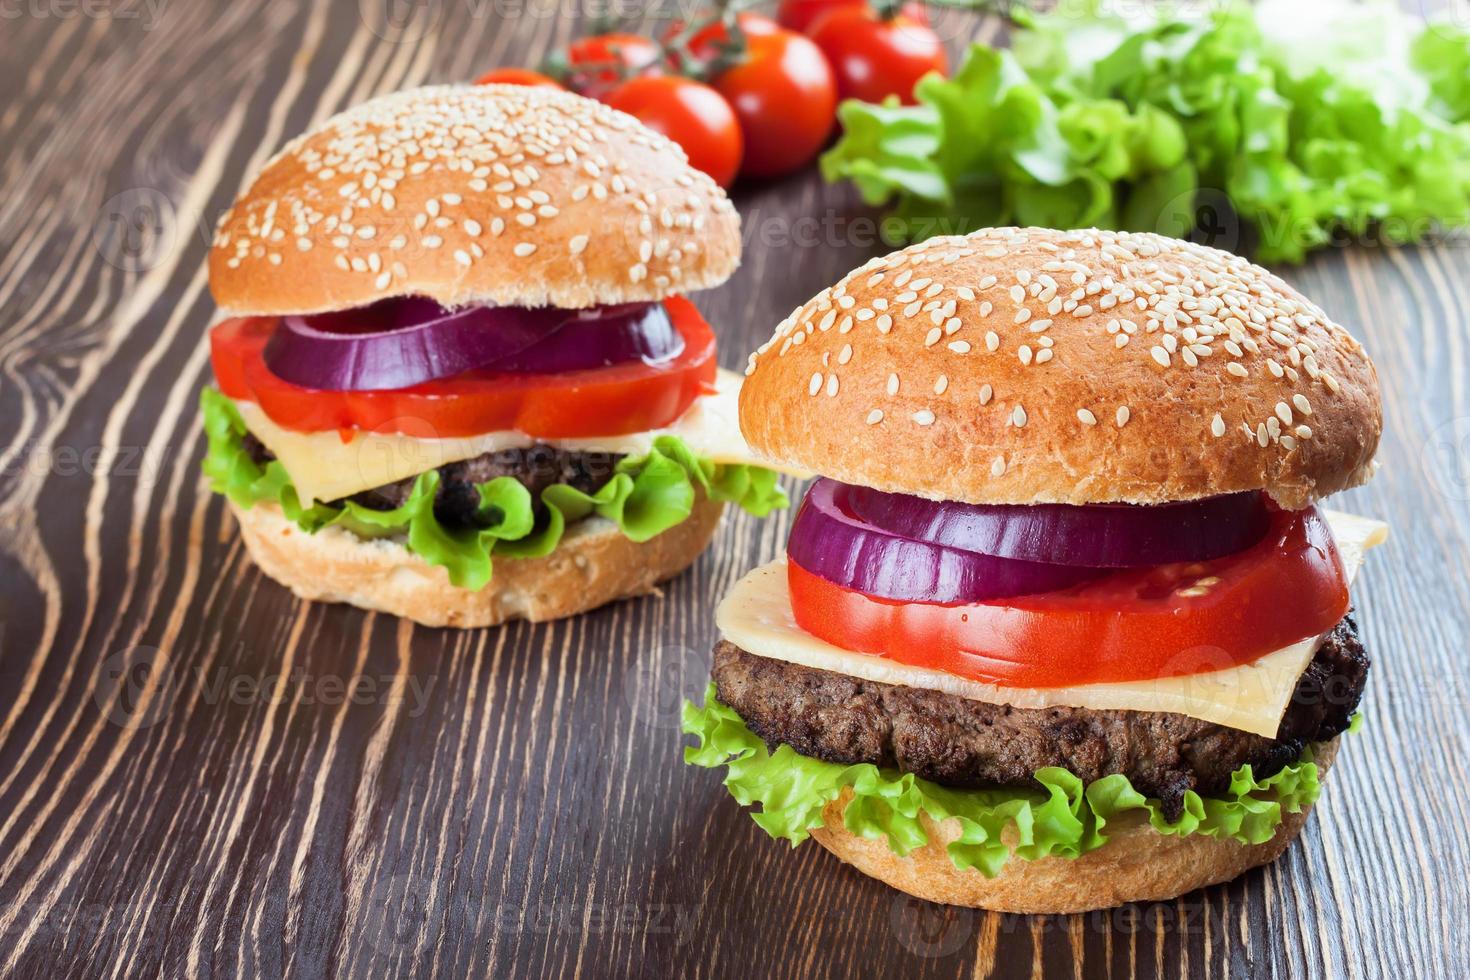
{"x": 815, "y": 385}
{"x": 893, "y": 384}
{"x": 1304, "y": 432}
{"x": 924, "y": 417}
{"x": 933, "y": 336}
{"x": 844, "y": 355}
{"x": 986, "y": 393}
{"x": 1236, "y": 368}
{"x": 1122, "y": 416}
{"x": 1283, "y": 412}
{"x": 1023, "y": 353}
{"x": 1301, "y": 403}
{"x": 832, "y": 386}
{"x": 524, "y": 249}
{"x": 875, "y": 416}
{"x": 462, "y": 257}
{"x": 1160, "y": 355}
{"x": 578, "y": 244}
{"x": 1217, "y": 425}
{"x": 1086, "y": 417}
{"x": 998, "y": 466}
{"x": 1018, "y": 416}
{"x": 992, "y": 340}
{"x": 1044, "y": 355}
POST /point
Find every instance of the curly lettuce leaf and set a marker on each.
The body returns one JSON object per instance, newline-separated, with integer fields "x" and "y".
{"x": 1062, "y": 817}
{"x": 646, "y": 496}
{"x": 1140, "y": 123}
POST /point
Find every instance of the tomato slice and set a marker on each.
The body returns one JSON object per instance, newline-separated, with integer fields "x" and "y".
{"x": 617, "y": 400}
{"x": 1168, "y": 621}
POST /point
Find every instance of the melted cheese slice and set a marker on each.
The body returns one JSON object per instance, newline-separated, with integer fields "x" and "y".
{"x": 756, "y": 616}
{"x": 325, "y": 467}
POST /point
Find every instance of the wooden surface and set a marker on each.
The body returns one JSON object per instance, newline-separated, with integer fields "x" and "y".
{"x": 511, "y": 802}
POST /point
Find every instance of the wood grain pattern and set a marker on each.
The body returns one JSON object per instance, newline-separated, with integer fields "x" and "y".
{"x": 511, "y": 802}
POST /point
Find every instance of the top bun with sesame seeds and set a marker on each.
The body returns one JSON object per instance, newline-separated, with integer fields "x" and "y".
{"x": 1028, "y": 365}
{"x": 474, "y": 194}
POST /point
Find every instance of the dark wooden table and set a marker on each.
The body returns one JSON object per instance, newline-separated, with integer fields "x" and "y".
{"x": 200, "y": 775}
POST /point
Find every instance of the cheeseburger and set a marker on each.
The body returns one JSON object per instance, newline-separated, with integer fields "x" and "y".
{"x": 1062, "y": 624}
{"x": 460, "y": 382}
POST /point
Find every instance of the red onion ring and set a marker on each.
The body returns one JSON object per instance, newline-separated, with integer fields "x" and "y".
{"x": 829, "y": 540}
{"x": 1091, "y": 536}
{"x": 402, "y": 342}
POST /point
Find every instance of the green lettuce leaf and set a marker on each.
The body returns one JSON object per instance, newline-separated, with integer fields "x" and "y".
{"x": 1060, "y": 818}
{"x": 1148, "y": 123}
{"x": 646, "y": 496}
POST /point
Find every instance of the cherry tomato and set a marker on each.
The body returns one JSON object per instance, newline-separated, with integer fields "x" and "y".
{"x": 705, "y": 41}
{"x": 798, "y": 15}
{"x": 599, "y": 64}
{"x": 691, "y": 114}
{"x": 517, "y": 76}
{"x": 874, "y": 56}
{"x": 1173, "y": 620}
{"x": 784, "y": 95}
{"x": 632, "y": 397}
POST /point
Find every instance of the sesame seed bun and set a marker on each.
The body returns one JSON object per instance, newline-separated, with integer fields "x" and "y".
{"x": 593, "y": 565}
{"x": 1137, "y": 864}
{"x": 474, "y": 194}
{"x": 1029, "y": 365}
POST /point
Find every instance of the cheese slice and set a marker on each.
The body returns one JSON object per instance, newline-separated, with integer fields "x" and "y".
{"x": 323, "y": 466}
{"x": 756, "y": 616}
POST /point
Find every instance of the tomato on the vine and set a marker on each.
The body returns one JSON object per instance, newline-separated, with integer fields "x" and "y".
{"x": 691, "y": 114}
{"x": 517, "y": 76}
{"x": 1168, "y": 621}
{"x": 799, "y": 15}
{"x": 876, "y": 55}
{"x": 632, "y": 397}
{"x": 782, "y": 91}
{"x": 599, "y": 64}
{"x": 705, "y": 42}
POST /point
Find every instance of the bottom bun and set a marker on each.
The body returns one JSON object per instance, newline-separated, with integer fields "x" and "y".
{"x": 1137, "y": 864}
{"x": 592, "y": 565}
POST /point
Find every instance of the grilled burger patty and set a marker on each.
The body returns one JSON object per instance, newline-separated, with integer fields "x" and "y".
{"x": 537, "y": 467}
{"x": 955, "y": 741}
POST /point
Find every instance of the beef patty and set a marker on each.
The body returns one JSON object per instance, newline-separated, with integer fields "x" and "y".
{"x": 537, "y": 467}
{"x": 955, "y": 741}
